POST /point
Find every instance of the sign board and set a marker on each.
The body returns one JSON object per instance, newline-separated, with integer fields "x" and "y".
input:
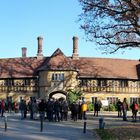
{"x": 104, "y": 102}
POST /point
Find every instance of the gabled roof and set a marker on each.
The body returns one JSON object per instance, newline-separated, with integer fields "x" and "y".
{"x": 19, "y": 67}
{"x": 108, "y": 68}
{"x": 86, "y": 67}
{"x": 57, "y": 61}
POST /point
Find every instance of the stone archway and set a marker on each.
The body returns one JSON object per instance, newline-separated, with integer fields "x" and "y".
{"x": 58, "y": 94}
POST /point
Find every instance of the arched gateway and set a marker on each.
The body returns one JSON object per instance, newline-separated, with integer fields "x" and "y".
{"x": 58, "y": 94}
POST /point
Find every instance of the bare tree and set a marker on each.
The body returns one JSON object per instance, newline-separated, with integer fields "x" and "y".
{"x": 113, "y": 24}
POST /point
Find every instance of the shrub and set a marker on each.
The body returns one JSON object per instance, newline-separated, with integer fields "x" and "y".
{"x": 73, "y": 96}
{"x": 90, "y": 107}
{"x": 105, "y": 108}
{"x": 112, "y": 107}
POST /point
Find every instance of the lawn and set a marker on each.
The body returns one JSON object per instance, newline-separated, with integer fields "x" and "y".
{"x": 120, "y": 133}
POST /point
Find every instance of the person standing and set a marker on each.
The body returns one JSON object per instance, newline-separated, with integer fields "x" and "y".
{"x": 119, "y": 108}
{"x": 22, "y": 108}
{"x": 50, "y": 109}
{"x": 35, "y": 109}
{"x": 134, "y": 108}
{"x": 2, "y": 107}
{"x": 80, "y": 110}
{"x": 84, "y": 109}
{"x": 65, "y": 109}
{"x": 57, "y": 108}
{"x": 42, "y": 108}
{"x": 25, "y": 109}
{"x": 125, "y": 109}
{"x": 96, "y": 108}
{"x": 75, "y": 109}
{"x": 30, "y": 107}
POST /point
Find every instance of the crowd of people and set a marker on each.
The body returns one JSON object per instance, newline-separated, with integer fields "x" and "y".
{"x": 6, "y": 106}
{"x": 123, "y": 107}
{"x": 52, "y": 109}
{"x": 57, "y": 109}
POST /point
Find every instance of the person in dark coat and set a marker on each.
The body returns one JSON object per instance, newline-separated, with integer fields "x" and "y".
{"x": 65, "y": 110}
{"x": 119, "y": 108}
{"x": 96, "y": 108}
{"x": 80, "y": 110}
{"x": 50, "y": 109}
{"x": 74, "y": 110}
{"x": 22, "y": 108}
{"x": 30, "y": 107}
{"x": 41, "y": 108}
{"x": 57, "y": 110}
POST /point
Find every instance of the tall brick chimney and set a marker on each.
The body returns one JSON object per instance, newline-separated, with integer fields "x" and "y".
{"x": 75, "y": 48}
{"x": 24, "y": 50}
{"x": 39, "y": 51}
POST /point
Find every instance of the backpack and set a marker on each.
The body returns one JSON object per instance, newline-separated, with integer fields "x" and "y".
{"x": 136, "y": 106}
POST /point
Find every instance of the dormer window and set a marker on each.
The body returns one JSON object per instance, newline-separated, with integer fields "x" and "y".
{"x": 58, "y": 77}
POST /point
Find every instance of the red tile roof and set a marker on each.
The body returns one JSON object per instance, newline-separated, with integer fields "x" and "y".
{"x": 87, "y": 67}
{"x": 57, "y": 61}
{"x": 19, "y": 67}
{"x": 108, "y": 68}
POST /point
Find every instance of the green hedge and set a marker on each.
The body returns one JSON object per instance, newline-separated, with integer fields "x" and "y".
{"x": 90, "y": 107}
{"x": 111, "y": 107}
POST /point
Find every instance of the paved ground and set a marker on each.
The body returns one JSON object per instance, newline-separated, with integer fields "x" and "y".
{"x": 30, "y": 130}
{"x": 66, "y": 130}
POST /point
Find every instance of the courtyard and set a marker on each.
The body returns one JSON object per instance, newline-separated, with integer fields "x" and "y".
{"x": 65, "y": 130}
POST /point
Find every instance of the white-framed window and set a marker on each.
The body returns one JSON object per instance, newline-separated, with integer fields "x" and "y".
{"x": 112, "y": 100}
{"x": 58, "y": 77}
{"x": 137, "y": 99}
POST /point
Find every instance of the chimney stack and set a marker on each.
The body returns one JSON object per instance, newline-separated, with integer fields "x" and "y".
{"x": 24, "y": 51}
{"x": 75, "y": 48}
{"x": 39, "y": 51}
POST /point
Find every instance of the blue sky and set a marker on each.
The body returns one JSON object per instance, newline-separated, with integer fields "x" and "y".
{"x": 22, "y": 21}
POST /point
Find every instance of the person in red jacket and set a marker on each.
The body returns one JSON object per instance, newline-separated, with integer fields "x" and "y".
{"x": 134, "y": 107}
{"x": 2, "y": 107}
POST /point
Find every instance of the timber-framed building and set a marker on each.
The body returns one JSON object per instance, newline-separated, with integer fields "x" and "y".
{"x": 44, "y": 77}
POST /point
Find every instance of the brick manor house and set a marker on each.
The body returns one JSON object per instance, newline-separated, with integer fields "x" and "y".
{"x": 44, "y": 77}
